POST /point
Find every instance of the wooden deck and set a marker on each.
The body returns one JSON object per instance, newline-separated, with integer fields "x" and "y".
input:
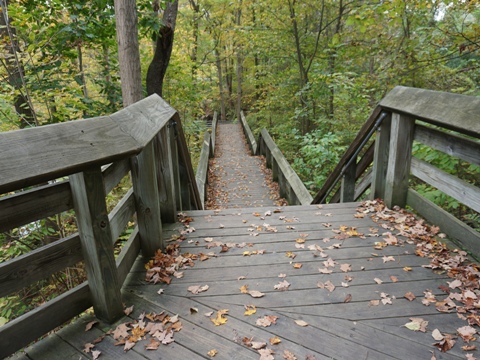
{"x": 342, "y": 324}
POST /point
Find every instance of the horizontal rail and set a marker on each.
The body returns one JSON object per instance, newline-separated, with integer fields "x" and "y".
{"x": 252, "y": 144}
{"x": 291, "y": 187}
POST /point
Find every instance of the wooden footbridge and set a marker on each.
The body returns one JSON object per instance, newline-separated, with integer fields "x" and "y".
{"x": 336, "y": 280}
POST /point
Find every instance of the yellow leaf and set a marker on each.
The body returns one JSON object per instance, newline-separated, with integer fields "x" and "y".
{"x": 297, "y": 266}
{"x": 212, "y": 352}
{"x": 250, "y": 310}
{"x": 407, "y": 268}
{"x": 220, "y": 319}
{"x": 275, "y": 340}
{"x": 244, "y": 289}
{"x": 300, "y": 241}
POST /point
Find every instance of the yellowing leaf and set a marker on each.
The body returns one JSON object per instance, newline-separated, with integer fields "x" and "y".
{"x": 407, "y": 268}
{"x": 300, "y": 241}
{"x": 250, "y": 310}
{"x": 244, "y": 289}
{"x": 275, "y": 340}
{"x": 297, "y": 266}
{"x": 220, "y": 319}
{"x": 212, "y": 352}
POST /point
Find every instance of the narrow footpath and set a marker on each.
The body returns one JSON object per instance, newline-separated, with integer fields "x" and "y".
{"x": 236, "y": 178}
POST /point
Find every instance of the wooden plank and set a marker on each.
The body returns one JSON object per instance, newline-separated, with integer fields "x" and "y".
{"x": 399, "y": 158}
{"x": 121, "y": 214}
{"x": 188, "y": 178}
{"x": 201, "y": 176}
{"x": 23, "y": 330}
{"x": 214, "y": 132}
{"x": 166, "y": 176}
{"x": 301, "y": 194}
{"x": 40, "y": 154}
{"x": 145, "y": 189}
{"x": 88, "y": 192}
{"x": 35, "y": 204}
{"x": 460, "y": 147}
{"x": 114, "y": 173}
{"x": 361, "y": 136}
{"x": 380, "y": 161}
{"x": 39, "y": 264}
{"x": 248, "y": 134}
{"x": 363, "y": 185}
{"x": 451, "y": 185}
{"x": 347, "y": 190}
{"x": 452, "y": 111}
{"x": 449, "y": 224}
{"x": 128, "y": 255}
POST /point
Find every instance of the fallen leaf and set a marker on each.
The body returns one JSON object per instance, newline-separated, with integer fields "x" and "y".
{"x": 345, "y": 267}
{"x": 388, "y": 258}
{"x": 196, "y": 289}
{"x": 88, "y": 347}
{"x": 267, "y": 320}
{"x": 297, "y": 266}
{"x": 437, "y": 335}
{"x": 454, "y": 284}
{"x": 90, "y": 325}
{"x": 417, "y": 324}
{"x": 250, "y": 310}
{"x": 128, "y": 311}
{"x": 393, "y": 278}
{"x": 301, "y": 323}
{"x": 160, "y": 291}
{"x": 275, "y": 340}
{"x": 121, "y": 331}
{"x": 466, "y": 333}
{"x": 325, "y": 271}
{"x": 193, "y": 310}
{"x": 374, "y": 303}
{"x": 378, "y": 281}
{"x": 407, "y": 268}
{"x": 212, "y": 352}
{"x": 153, "y": 344}
{"x": 244, "y": 289}
{"x": 282, "y": 286}
{"x": 409, "y": 296}
{"x": 287, "y": 355}
{"x": 128, "y": 345}
{"x": 266, "y": 354}
{"x": 257, "y": 345}
{"x": 96, "y": 354}
{"x": 220, "y": 319}
{"x": 348, "y": 298}
{"x": 256, "y": 294}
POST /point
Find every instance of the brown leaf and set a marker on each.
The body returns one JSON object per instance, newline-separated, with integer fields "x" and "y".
{"x": 90, "y": 325}
{"x": 196, "y": 289}
{"x": 128, "y": 310}
{"x": 275, "y": 340}
{"x": 267, "y": 320}
{"x": 153, "y": 344}
{"x": 244, "y": 289}
{"x": 301, "y": 323}
{"x": 345, "y": 267}
{"x": 287, "y": 355}
{"x": 96, "y": 354}
{"x": 466, "y": 333}
{"x": 257, "y": 345}
{"x": 374, "y": 303}
{"x": 212, "y": 352}
{"x": 128, "y": 345}
{"x": 297, "y": 266}
{"x": 282, "y": 286}
{"x": 348, "y": 298}
{"x": 325, "y": 271}
{"x": 266, "y": 354}
{"x": 409, "y": 296}
{"x": 388, "y": 258}
{"x": 121, "y": 331}
{"x": 378, "y": 281}
{"x": 88, "y": 347}
{"x": 256, "y": 294}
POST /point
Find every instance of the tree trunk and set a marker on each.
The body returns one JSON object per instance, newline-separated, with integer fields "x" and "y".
{"x": 128, "y": 51}
{"x": 15, "y": 70}
{"x": 163, "y": 50}
{"x": 220, "y": 86}
{"x": 238, "y": 106}
{"x": 195, "y": 24}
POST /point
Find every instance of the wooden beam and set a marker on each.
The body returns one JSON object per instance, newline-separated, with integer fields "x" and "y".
{"x": 347, "y": 190}
{"x": 88, "y": 192}
{"x": 380, "y": 160}
{"x": 399, "y": 158}
{"x": 166, "y": 175}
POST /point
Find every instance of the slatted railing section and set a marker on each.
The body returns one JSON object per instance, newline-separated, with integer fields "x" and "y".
{"x": 48, "y": 170}
{"x": 207, "y": 152}
{"x": 444, "y": 122}
{"x": 291, "y": 187}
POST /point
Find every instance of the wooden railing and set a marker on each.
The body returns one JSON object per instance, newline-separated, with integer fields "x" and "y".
{"x": 444, "y": 122}
{"x": 48, "y": 170}
{"x": 291, "y": 187}
{"x": 207, "y": 152}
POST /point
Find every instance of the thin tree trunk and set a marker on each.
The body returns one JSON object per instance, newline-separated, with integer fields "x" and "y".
{"x": 220, "y": 86}
{"x": 128, "y": 51}
{"x": 164, "y": 45}
{"x": 239, "y": 65}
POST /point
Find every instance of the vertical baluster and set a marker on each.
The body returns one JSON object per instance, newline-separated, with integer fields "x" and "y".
{"x": 380, "y": 161}
{"x": 347, "y": 191}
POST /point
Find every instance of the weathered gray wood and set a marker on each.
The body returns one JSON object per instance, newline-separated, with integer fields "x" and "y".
{"x": 347, "y": 192}
{"x": 380, "y": 161}
{"x": 147, "y": 204}
{"x": 128, "y": 255}
{"x": 187, "y": 179}
{"x": 399, "y": 158}
{"x": 122, "y": 214}
{"x": 329, "y": 184}
{"x": 451, "y": 185}
{"x": 214, "y": 132}
{"x": 166, "y": 176}
{"x": 114, "y": 173}
{"x": 248, "y": 134}
{"x": 88, "y": 192}
{"x": 299, "y": 194}
{"x": 23, "y": 330}
{"x": 364, "y": 183}
{"x": 460, "y": 147}
{"x": 453, "y": 111}
{"x": 28, "y": 206}
{"x": 201, "y": 176}
{"x": 448, "y": 223}
{"x": 39, "y": 264}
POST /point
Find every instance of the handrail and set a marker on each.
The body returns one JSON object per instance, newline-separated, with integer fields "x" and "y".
{"x": 400, "y": 118}
{"x": 207, "y": 152}
{"x": 291, "y": 187}
{"x": 248, "y": 134}
{"x": 145, "y": 140}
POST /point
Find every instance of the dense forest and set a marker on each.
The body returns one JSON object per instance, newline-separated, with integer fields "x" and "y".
{"x": 310, "y": 71}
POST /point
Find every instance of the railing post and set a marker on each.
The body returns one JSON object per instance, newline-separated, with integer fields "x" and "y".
{"x": 347, "y": 191}
{"x": 147, "y": 202}
{"x": 88, "y": 193}
{"x": 166, "y": 176}
{"x": 399, "y": 159}
{"x": 380, "y": 161}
